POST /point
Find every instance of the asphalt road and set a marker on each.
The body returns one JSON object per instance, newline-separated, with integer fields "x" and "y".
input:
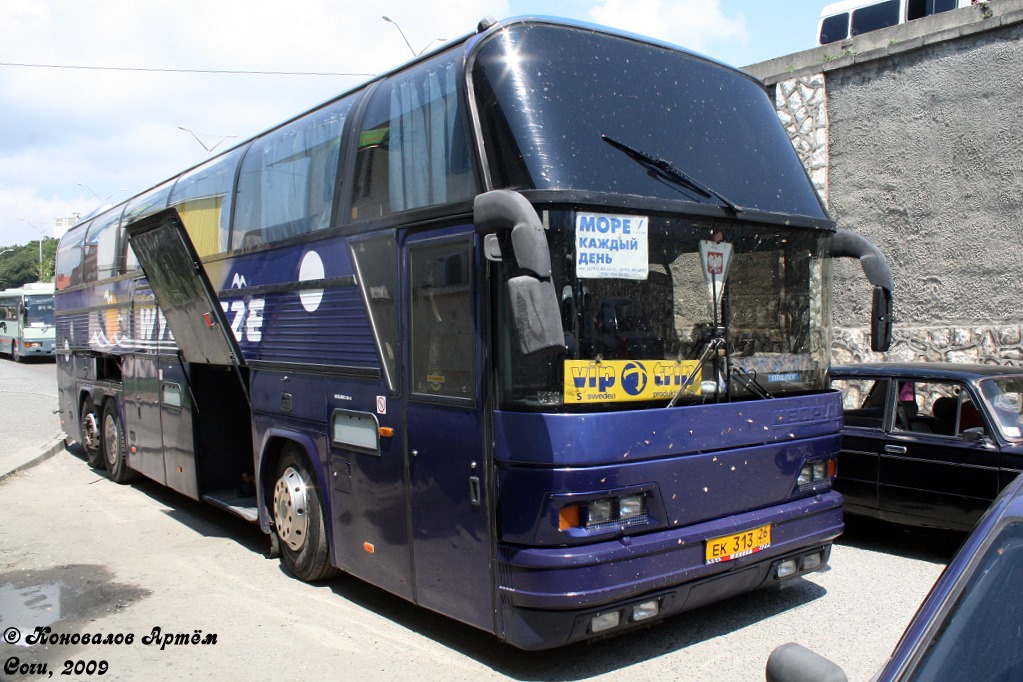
{"x": 82, "y": 555}
{"x": 30, "y": 426}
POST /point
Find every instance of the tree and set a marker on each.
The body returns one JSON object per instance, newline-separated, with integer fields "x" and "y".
{"x": 21, "y": 264}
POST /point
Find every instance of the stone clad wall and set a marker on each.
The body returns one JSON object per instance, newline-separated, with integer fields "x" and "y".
{"x": 913, "y": 136}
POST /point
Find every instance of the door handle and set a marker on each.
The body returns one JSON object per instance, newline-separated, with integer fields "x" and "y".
{"x": 895, "y": 449}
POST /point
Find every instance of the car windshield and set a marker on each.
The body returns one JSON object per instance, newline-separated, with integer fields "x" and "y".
{"x": 637, "y": 323}
{"x": 1004, "y": 395}
{"x": 981, "y": 637}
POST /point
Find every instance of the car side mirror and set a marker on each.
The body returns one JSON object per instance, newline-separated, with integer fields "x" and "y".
{"x": 795, "y": 663}
{"x": 974, "y": 435}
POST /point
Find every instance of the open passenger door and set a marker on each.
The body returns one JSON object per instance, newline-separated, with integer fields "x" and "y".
{"x": 185, "y": 295}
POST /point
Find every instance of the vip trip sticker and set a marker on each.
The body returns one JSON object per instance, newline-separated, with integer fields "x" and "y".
{"x": 611, "y": 381}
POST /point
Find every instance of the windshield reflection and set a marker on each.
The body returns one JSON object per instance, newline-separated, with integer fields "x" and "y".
{"x": 1004, "y": 395}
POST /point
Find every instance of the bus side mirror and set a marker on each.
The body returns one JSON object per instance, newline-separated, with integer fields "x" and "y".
{"x": 846, "y": 244}
{"x": 881, "y": 320}
{"x": 536, "y": 314}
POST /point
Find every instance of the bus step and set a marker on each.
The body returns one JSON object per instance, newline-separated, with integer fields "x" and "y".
{"x": 235, "y": 503}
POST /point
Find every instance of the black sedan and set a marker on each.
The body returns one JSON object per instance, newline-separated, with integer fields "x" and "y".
{"x": 928, "y": 444}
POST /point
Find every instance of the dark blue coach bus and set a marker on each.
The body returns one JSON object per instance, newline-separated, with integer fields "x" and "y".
{"x": 533, "y": 331}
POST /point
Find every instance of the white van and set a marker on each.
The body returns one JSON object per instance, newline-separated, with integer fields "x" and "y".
{"x": 848, "y": 18}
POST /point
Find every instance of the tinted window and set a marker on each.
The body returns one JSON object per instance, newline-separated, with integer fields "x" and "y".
{"x": 834, "y": 28}
{"x": 442, "y": 320}
{"x": 101, "y": 252}
{"x": 68, "y": 266}
{"x": 412, "y": 147}
{"x": 287, "y": 180}
{"x": 203, "y": 200}
{"x": 151, "y": 202}
{"x": 981, "y": 638}
{"x": 548, "y": 95}
{"x": 874, "y": 17}
{"x": 917, "y": 9}
{"x": 376, "y": 262}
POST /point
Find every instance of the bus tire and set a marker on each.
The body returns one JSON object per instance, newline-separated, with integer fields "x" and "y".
{"x": 114, "y": 453}
{"x": 298, "y": 519}
{"x": 15, "y": 353}
{"x": 92, "y": 440}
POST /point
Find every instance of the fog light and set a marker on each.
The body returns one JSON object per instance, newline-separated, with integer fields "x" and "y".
{"x": 787, "y": 568}
{"x": 812, "y": 562}
{"x": 647, "y": 609}
{"x": 605, "y": 621}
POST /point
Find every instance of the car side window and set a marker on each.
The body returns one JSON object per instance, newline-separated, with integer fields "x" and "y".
{"x": 937, "y": 407}
{"x": 863, "y": 401}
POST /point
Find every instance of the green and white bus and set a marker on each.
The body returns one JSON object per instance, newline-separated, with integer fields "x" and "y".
{"x": 26, "y": 321}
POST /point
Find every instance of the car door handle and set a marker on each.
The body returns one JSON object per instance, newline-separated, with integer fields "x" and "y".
{"x": 895, "y": 449}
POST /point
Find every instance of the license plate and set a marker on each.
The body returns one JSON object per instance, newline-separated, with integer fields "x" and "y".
{"x": 730, "y": 547}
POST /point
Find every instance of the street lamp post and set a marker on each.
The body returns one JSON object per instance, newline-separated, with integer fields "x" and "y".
{"x": 209, "y": 150}
{"x": 411, "y": 49}
{"x": 33, "y": 225}
{"x": 102, "y": 201}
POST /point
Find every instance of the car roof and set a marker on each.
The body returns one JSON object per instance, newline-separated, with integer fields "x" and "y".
{"x": 925, "y": 370}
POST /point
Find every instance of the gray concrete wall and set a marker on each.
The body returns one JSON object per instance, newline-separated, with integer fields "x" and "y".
{"x": 914, "y": 137}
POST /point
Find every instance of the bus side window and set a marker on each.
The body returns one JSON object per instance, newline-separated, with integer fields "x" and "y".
{"x": 442, "y": 320}
{"x": 873, "y": 17}
{"x": 834, "y": 28}
{"x": 413, "y": 150}
{"x": 203, "y": 200}
{"x": 287, "y": 179}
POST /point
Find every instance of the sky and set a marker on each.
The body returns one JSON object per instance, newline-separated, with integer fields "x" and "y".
{"x": 101, "y": 99}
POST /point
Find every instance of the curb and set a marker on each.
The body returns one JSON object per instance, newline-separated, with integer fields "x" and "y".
{"x": 57, "y": 446}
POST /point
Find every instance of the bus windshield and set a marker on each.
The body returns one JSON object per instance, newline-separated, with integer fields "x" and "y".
{"x": 40, "y": 310}
{"x": 555, "y": 102}
{"x": 636, "y": 327}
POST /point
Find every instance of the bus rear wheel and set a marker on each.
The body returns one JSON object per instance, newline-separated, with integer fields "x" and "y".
{"x": 298, "y": 519}
{"x": 91, "y": 439}
{"x": 114, "y": 452}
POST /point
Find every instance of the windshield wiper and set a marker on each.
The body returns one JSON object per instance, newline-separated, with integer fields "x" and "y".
{"x": 749, "y": 382}
{"x": 711, "y": 349}
{"x": 662, "y": 168}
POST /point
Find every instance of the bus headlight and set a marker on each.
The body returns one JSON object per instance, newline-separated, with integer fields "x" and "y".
{"x": 598, "y": 512}
{"x": 816, "y": 472}
{"x": 604, "y": 513}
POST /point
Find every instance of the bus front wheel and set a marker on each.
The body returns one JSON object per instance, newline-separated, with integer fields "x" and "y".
{"x": 91, "y": 439}
{"x": 113, "y": 445}
{"x": 298, "y": 519}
